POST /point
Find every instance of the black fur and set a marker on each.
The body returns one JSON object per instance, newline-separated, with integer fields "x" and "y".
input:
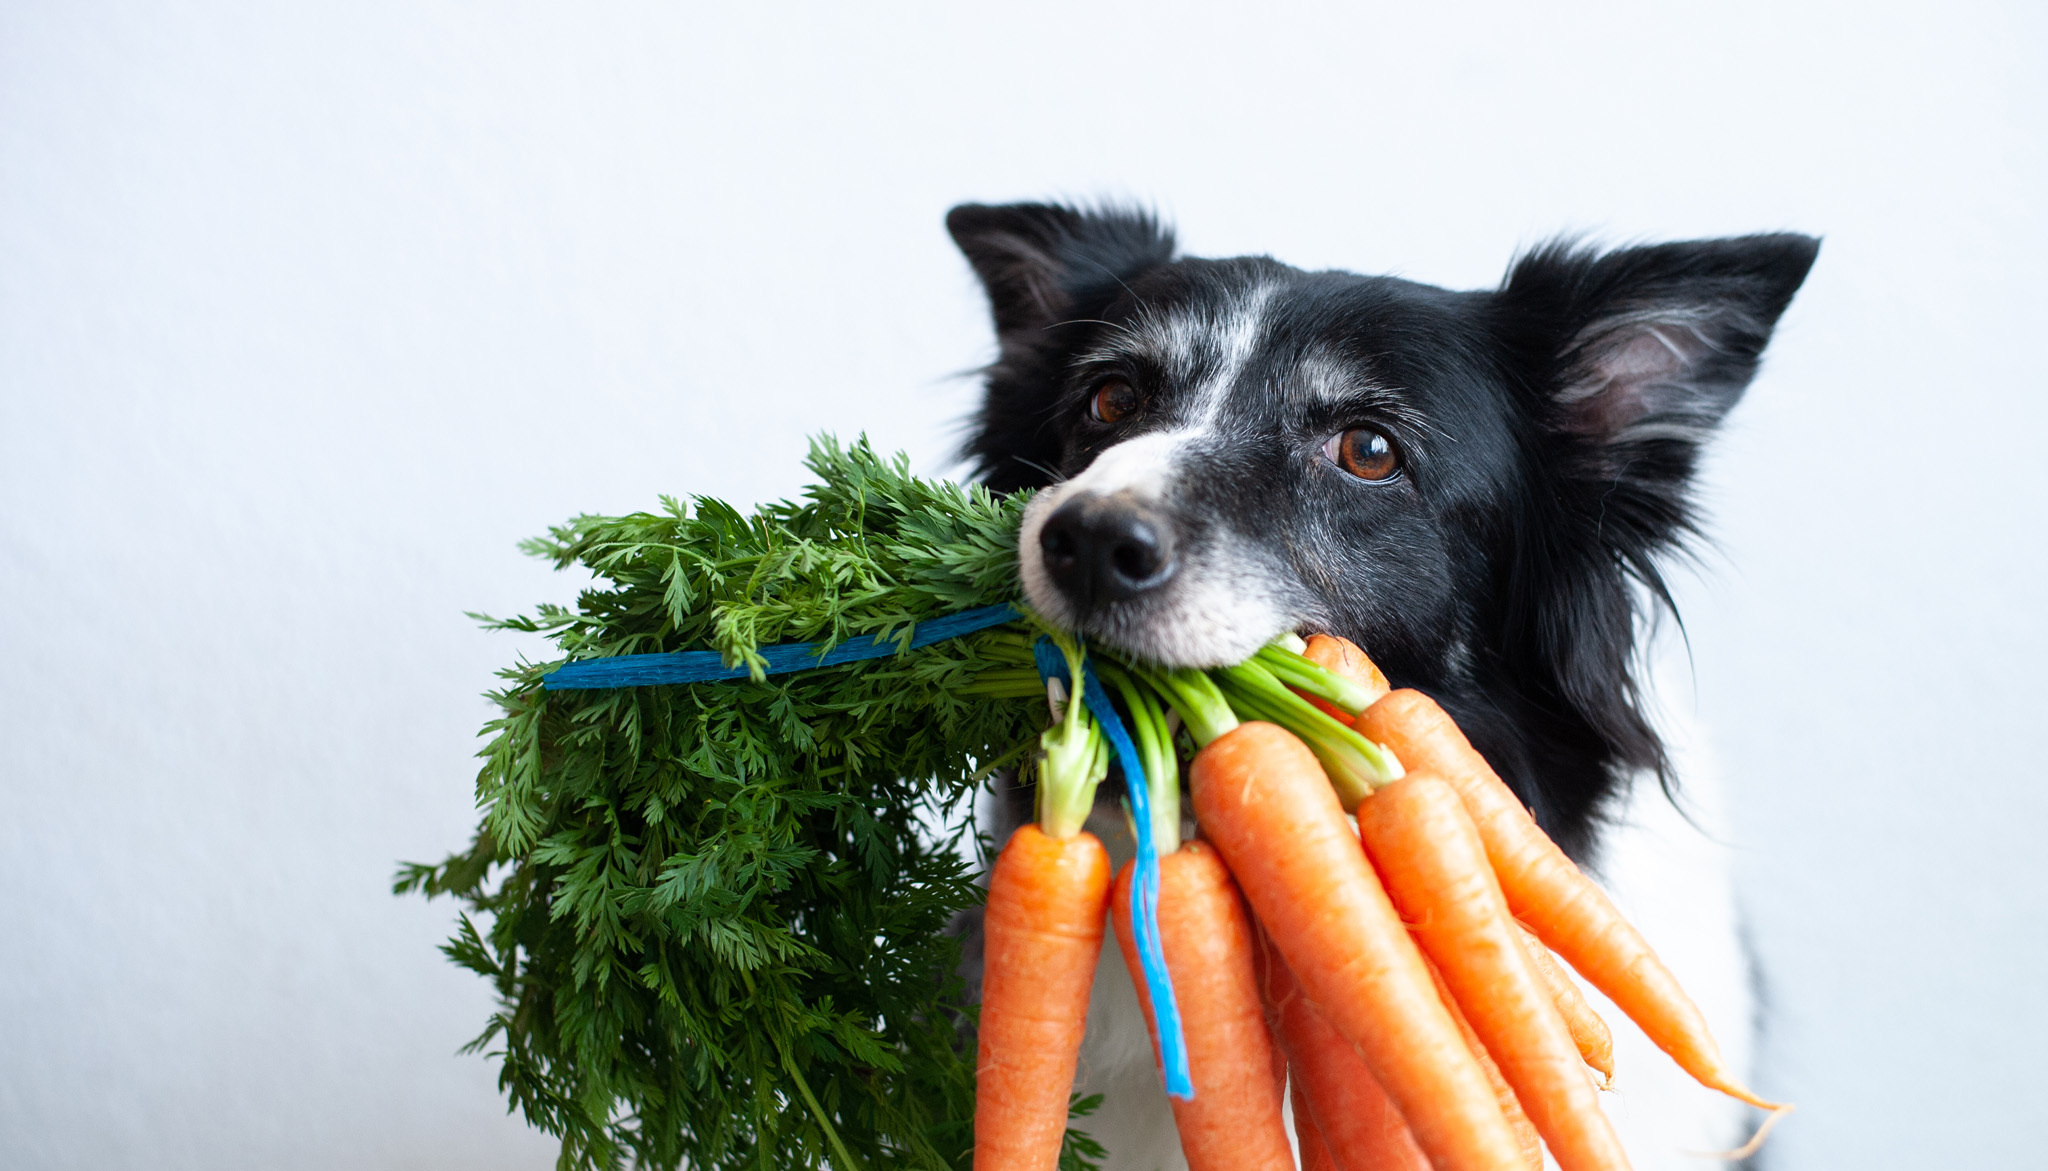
{"x": 1548, "y": 432}
{"x": 1048, "y": 270}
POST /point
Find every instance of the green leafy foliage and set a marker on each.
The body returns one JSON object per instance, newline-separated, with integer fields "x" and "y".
{"x": 715, "y": 914}
{"x": 1079, "y": 1152}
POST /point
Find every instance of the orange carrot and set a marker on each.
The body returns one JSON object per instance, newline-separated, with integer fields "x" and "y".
{"x": 1525, "y": 1130}
{"x": 1546, "y": 891}
{"x": 1341, "y": 656}
{"x": 1426, "y": 850}
{"x": 1589, "y": 1032}
{"x": 1307, "y": 1138}
{"x": 1042, "y": 932}
{"x": 1278, "y": 1048}
{"x": 1233, "y": 1122}
{"x": 1262, "y": 798}
{"x": 1352, "y": 1115}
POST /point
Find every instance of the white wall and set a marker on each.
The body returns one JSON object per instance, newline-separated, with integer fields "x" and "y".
{"x": 306, "y": 316}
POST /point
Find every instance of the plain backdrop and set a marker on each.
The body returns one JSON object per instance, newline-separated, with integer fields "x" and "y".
{"x": 308, "y": 313}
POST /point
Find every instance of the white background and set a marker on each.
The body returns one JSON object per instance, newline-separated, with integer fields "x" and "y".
{"x": 308, "y": 315}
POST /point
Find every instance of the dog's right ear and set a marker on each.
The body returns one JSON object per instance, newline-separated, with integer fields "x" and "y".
{"x": 1043, "y": 265}
{"x": 1041, "y": 262}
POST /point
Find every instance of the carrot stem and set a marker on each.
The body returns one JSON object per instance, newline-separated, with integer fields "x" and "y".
{"x": 1004, "y": 683}
{"x": 803, "y": 1088}
{"x": 846, "y": 1157}
{"x": 1076, "y": 759}
{"x": 1199, "y": 701}
{"x": 1305, "y": 674}
{"x": 1155, "y": 751}
{"x": 1356, "y": 766}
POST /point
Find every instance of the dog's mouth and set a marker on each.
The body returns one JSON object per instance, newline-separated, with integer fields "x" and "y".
{"x": 1118, "y": 568}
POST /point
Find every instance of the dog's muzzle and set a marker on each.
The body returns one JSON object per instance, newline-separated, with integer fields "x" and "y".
{"x": 1104, "y": 549}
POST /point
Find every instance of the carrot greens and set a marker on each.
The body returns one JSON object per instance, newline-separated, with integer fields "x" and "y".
{"x": 1356, "y": 766}
{"x": 1075, "y": 761}
{"x": 715, "y": 914}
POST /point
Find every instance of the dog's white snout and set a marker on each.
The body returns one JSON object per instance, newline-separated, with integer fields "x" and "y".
{"x": 1102, "y": 536}
{"x": 1111, "y": 554}
{"x": 1105, "y": 549}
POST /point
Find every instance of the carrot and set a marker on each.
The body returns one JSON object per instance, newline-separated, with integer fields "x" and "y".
{"x": 1278, "y": 1048}
{"x": 1589, "y": 1032}
{"x": 1596, "y": 1044}
{"x": 1341, "y": 656}
{"x": 1041, "y": 937}
{"x": 1332, "y": 1087}
{"x": 1262, "y": 798}
{"x": 1233, "y": 1122}
{"x": 1428, "y": 853}
{"x": 1525, "y": 1130}
{"x": 1307, "y": 1138}
{"x": 1042, "y": 932}
{"x": 1546, "y": 891}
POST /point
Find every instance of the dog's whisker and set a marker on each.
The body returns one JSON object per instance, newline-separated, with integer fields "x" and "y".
{"x": 1054, "y": 474}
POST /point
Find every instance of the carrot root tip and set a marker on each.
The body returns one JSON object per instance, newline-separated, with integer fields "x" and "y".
{"x": 1756, "y": 1141}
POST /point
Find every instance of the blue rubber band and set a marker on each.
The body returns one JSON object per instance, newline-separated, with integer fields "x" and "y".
{"x": 707, "y": 666}
{"x": 1173, "y": 1046}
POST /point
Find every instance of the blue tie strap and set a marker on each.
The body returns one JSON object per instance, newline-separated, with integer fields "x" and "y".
{"x": 708, "y": 666}
{"x": 1173, "y": 1046}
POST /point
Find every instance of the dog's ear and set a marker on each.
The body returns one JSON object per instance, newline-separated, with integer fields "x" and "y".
{"x": 1044, "y": 266}
{"x": 1642, "y": 351}
{"x": 1630, "y": 359}
{"x": 1042, "y": 262}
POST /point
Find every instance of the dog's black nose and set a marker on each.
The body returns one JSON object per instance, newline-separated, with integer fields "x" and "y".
{"x": 1105, "y": 550}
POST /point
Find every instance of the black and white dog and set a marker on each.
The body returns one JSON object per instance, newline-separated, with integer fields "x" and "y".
{"x": 1476, "y": 487}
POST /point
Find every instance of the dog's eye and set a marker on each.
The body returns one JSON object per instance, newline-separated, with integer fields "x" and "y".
{"x": 1364, "y": 453}
{"x": 1114, "y": 401}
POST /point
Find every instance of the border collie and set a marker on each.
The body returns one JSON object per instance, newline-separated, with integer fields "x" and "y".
{"x": 1476, "y": 487}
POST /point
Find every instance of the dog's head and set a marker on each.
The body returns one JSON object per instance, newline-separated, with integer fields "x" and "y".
{"x": 1463, "y": 483}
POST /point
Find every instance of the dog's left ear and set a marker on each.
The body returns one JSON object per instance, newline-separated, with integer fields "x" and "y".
{"x": 1044, "y": 266}
{"x": 1642, "y": 351}
{"x": 1043, "y": 261}
{"x": 1630, "y": 359}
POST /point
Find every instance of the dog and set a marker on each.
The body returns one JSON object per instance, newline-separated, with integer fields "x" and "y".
{"x": 1478, "y": 488}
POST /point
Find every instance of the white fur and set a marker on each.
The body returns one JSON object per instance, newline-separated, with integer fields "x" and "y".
{"x": 1236, "y": 338}
{"x": 1185, "y": 338}
{"x": 1219, "y": 608}
{"x": 1667, "y": 876}
{"x": 1141, "y": 467}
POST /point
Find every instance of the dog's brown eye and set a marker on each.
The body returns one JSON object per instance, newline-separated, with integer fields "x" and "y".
{"x": 1114, "y": 402}
{"x": 1364, "y": 453}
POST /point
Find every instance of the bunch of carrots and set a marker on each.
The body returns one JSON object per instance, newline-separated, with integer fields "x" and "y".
{"x": 1396, "y": 978}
